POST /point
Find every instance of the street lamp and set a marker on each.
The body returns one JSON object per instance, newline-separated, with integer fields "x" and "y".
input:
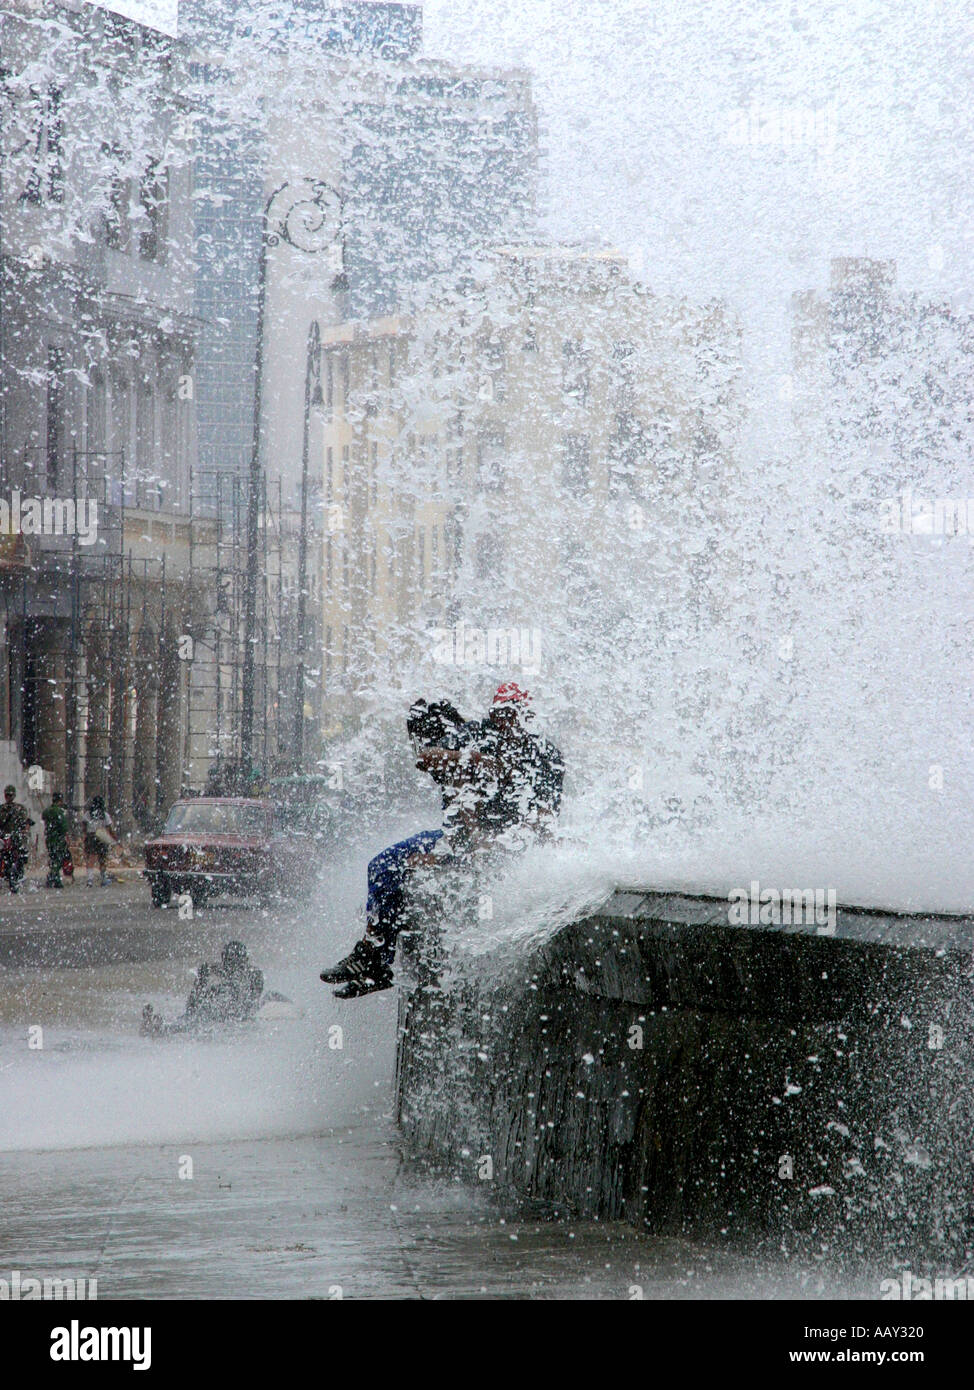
{"x": 312, "y": 397}
{"x": 307, "y": 215}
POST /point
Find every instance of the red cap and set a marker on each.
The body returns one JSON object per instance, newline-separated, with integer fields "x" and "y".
{"x": 511, "y": 693}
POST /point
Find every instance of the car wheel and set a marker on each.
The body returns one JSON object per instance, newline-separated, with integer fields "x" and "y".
{"x": 161, "y": 891}
{"x": 198, "y": 893}
{"x": 270, "y": 891}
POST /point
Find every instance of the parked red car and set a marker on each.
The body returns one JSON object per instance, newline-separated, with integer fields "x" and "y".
{"x": 214, "y": 845}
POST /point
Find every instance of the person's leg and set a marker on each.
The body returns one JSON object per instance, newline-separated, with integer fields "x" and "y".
{"x": 369, "y": 966}
{"x": 385, "y": 903}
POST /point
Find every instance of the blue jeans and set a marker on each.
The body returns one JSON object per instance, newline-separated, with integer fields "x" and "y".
{"x": 386, "y": 900}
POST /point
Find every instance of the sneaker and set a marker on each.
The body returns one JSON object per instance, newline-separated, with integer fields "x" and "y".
{"x": 366, "y": 985}
{"x": 363, "y": 961}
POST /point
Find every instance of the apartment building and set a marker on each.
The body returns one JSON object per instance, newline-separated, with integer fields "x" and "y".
{"x": 480, "y": 458}
{"x": 97, "y": 399}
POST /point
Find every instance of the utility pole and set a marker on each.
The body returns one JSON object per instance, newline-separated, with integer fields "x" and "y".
{"x": 307, "y": 215}
{"x": 253, "y": 513}
{"x": 312, "y": 397}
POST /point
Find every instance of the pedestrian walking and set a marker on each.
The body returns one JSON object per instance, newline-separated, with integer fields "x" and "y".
{"x": 15, "y": 826}
{"x": 55, "y": 820}
{"x": 98, "y": 839}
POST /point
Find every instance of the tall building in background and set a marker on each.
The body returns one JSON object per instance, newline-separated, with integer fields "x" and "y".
{"x": 882, "y": 386}
{"x": 298, "y": 162}
{"x": 427, "y": 164}
{"x": 477, "y": 454}
{"x": 386, "y": 30}
{"x": 97, "y": 344}
{"x": 338, "y": 175}
{"x": 438, "y": 162}
{"x": 240, "y": 53}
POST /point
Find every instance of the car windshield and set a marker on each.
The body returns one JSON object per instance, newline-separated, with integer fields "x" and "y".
{"x": 216, "y": 818}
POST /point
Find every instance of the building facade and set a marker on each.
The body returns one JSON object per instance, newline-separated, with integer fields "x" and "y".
{"x": 337, "y": 173}
{"x": 485, "y": 459}
{"x": 97, "y": 347}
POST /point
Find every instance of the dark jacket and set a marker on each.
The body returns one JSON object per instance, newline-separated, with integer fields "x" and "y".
{"x": 223, "y": 996}
{"x": 523, "y": 779}
{"x": 15, "y": 822}
{"x": 55, "y": 820}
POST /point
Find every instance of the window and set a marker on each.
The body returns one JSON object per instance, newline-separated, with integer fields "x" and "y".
{"x": 154, "y": 200}
{"x": 575, "y": 463}
{"x": 96, "y": 419}
{"x": 216, "y": 818}
{"x": 55, "y": 415}
{"x": 623, "y": 374}
{"x": 329, "y": 386}
{"x": 494, "y": 367}
{"x": 119, "y": 202}
{"x": 345, "y": 474}
{"x": 148, "y": 492}
{"x": 329, "y": 466}
{"x": 46, "y": 178}
{"x": 374, "y": 475}
{"x": 624, "y": 455}
{"x": 490, "y": 459}
{"x": 121, "y": 417}
{"x": 575, "y": 372}
{"x": 489, "y": 555}
{"x": 359, "y": 479}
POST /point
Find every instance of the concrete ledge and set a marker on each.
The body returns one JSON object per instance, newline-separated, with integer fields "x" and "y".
{"x": 655, "y": 1062}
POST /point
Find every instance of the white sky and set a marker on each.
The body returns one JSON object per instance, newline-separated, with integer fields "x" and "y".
{"x": 160, "y": 14}
{"x": 637, "y": 100}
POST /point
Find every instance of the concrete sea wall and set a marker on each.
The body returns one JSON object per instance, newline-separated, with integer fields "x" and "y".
{"x": 654, "y": 1062}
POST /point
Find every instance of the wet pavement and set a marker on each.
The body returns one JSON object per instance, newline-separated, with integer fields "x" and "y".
{"x": 332, "y": 1215}
{"x": 261, "y": 1161}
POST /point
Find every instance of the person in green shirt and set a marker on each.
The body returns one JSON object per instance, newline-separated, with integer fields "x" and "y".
{"x": 55, "y": 820}
{"x": 15, "y": 826}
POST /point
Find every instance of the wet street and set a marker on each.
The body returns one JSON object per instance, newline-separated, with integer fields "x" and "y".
{"x": 261, "y": 1161}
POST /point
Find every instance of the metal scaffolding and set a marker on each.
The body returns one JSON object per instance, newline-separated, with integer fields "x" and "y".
{"x": 127, "y": 658}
